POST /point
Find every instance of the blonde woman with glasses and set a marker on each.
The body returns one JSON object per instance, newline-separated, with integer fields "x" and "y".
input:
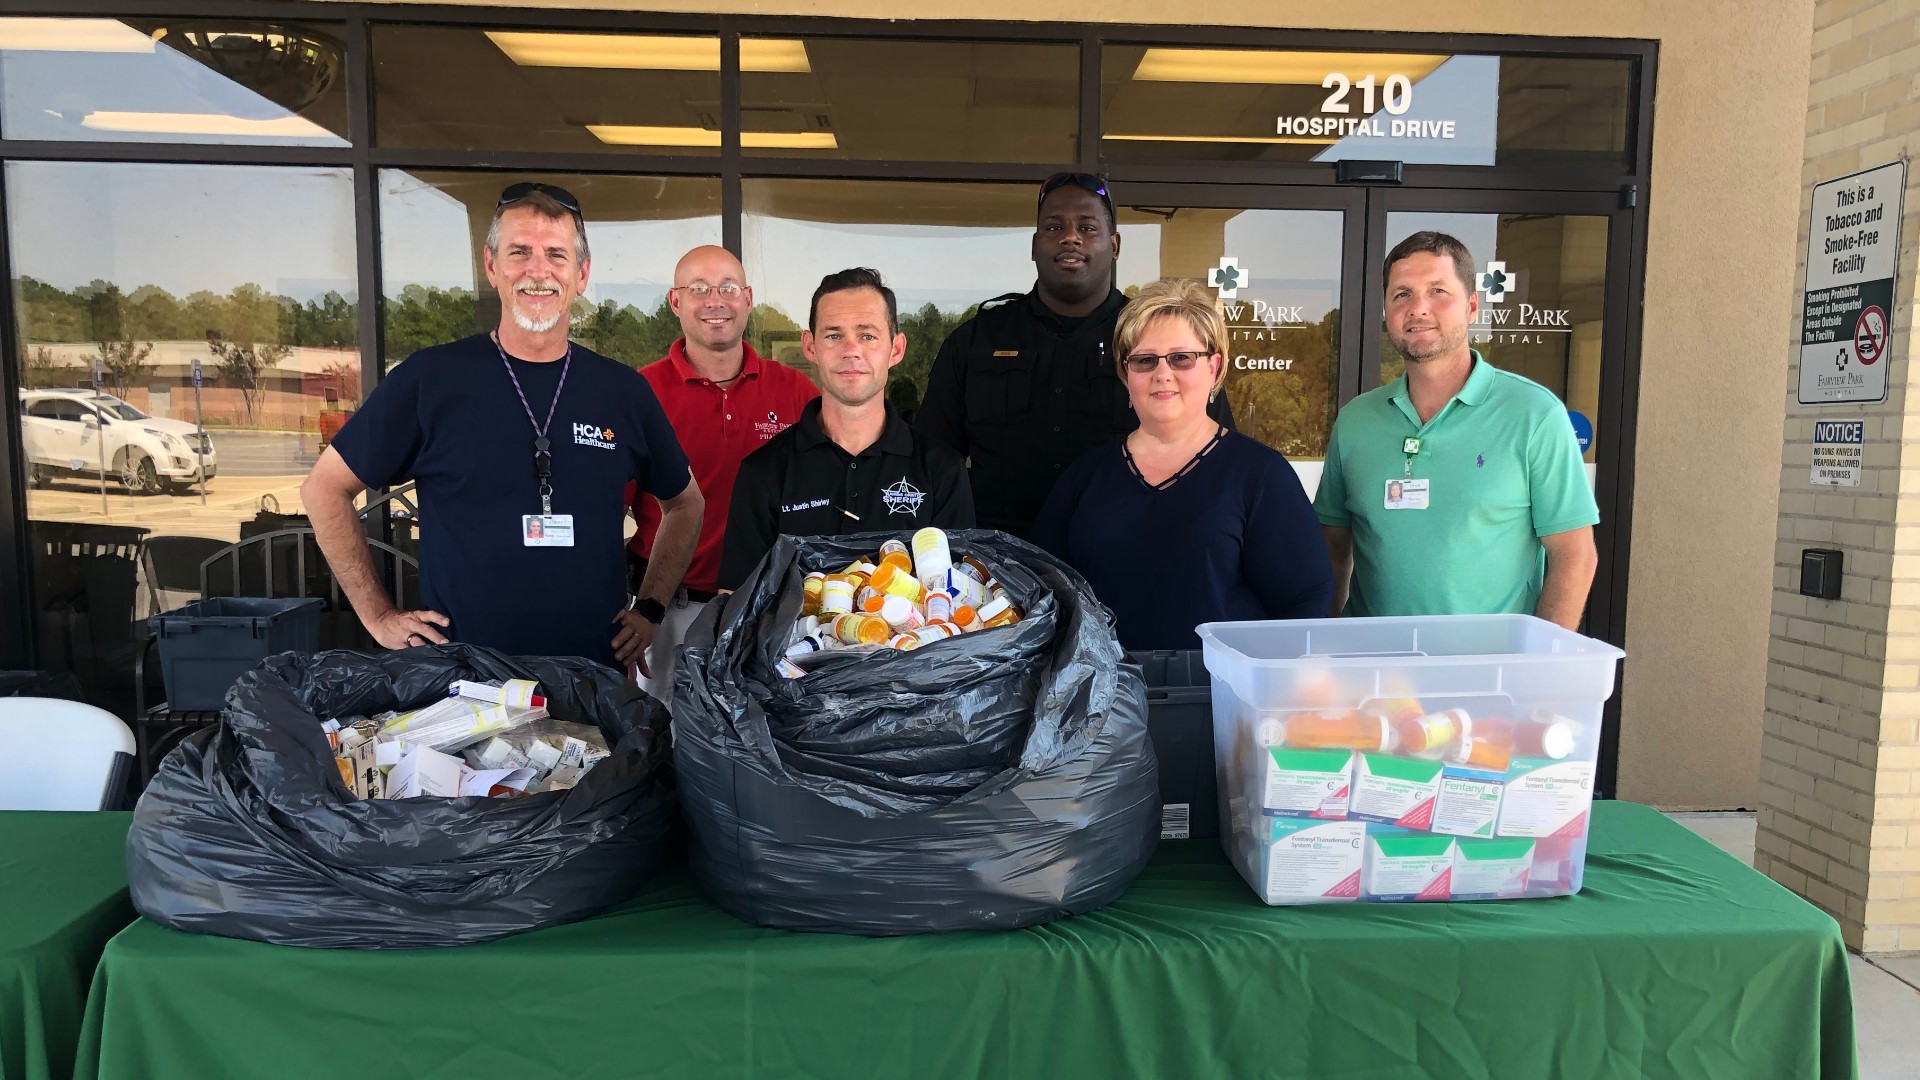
{"x": 1184, "y": 522}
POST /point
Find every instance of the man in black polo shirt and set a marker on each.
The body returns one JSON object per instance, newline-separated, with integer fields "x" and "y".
{"x": 521, "y": 445}
{"x": 850, "y": 464}
{"x": 1028, "y": 384}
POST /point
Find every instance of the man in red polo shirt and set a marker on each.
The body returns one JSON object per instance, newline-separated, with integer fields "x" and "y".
{"x": 724, "y": 402}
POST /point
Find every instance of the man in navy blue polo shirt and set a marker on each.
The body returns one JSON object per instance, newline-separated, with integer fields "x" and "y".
{"x": 521, "y": 444}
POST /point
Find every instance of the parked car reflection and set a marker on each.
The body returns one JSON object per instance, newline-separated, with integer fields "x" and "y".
{"x": 64, "y": 431}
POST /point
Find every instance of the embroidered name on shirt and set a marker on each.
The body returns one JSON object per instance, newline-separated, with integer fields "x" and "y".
{"x": 814, "y": 505}
{"x": 594, "y": 435}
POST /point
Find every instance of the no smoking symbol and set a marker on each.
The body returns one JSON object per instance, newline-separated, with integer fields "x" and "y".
{"x": 1870, "y": 335}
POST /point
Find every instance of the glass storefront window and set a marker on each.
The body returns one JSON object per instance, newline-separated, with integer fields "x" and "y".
{"x": 444, "y": 88}
{"x": 434, "y": 224}
{"x": 1163, "y": 103}
{"x": 174, "y": 80}
{"x": 1283, "y": 314}
{"x": 886, "y": 100}
{"x": 1542, "y": 280}
{"x": 129, "y": 279}
{"x": 942, "y": 248}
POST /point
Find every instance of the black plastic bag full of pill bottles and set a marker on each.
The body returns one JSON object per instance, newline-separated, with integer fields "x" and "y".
{"x": 1000, "y": 779}
{"x": 247, "y": 830}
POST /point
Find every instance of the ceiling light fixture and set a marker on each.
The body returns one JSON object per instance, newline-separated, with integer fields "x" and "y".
{"x": 644, "y": 135}
{"x": 1277, "y": 140}
{"x": 217, "y": 124}
{"x": 1259, "y": 66}
{"x": 646, "y": 52}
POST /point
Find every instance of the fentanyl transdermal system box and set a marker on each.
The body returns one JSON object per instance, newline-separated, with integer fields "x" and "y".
{"x": 1545, "y": 797}
{"x": 1491, "y": 869}
{"x": 1308, "y": 783}
{"x": 1395, "y": 790}
{"x": 1306, "y": 861}
{"x": 1402, "y": 864}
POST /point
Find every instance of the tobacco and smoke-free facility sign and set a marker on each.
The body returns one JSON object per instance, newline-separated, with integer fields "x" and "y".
{"x": 1853, "y": 242}
{"x": 1838, "y": 446}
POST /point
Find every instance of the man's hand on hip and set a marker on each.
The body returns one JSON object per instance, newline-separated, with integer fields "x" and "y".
{"x": 405, "y": 629}
{"x": 632, "y": 640}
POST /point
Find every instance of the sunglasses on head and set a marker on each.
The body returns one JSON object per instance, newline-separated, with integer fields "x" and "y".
{"x": 1141, "y": 363}
{"x": 516, "y": 192}
{"x": 1084, "y": 181}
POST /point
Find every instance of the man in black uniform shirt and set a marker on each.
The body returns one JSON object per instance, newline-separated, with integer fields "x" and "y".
{"x": 850, "y": 464}
{"x": 1028, "y": 384}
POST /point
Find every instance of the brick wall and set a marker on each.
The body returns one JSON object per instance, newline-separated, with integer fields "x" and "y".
{"x": 1840, "y": 771}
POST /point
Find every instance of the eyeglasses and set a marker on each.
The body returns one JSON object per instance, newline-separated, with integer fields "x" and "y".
{"x": 1141, "y": 363}
{"x": 701, "y": 290}
{"x": 516, "y": 192}
{"x": 1084, "y": 181}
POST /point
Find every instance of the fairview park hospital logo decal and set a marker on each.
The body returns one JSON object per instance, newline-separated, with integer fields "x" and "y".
{"x": 1517, "y": 323}
{"x": 1252, "y": 325}
{"x": 901, "y": 497}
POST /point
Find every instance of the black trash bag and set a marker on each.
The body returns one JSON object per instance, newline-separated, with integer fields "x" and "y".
{"x": 992, "y": 781}
{"x": 248, "y": 832}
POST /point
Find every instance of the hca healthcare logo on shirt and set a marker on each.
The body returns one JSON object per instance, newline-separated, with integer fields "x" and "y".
{"x": 594, "y": 435}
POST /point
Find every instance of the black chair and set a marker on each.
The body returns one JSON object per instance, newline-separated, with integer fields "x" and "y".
{"x": 173, "y": 565}
{"x": 86, "y": 587}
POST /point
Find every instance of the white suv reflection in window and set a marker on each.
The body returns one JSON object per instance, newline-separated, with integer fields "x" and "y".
{"x": 64, "y": 430}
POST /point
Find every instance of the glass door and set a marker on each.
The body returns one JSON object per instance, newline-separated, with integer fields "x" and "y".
{"x": 1552, "y": 275}
{"x": 1285, "y": 265}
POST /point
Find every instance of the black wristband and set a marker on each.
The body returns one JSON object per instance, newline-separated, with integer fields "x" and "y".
{"x": 651, "y": 610}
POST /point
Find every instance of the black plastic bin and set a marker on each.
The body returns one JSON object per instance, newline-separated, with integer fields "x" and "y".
{"x": 208, "y": 644}
{"x": 1180, "y": 722}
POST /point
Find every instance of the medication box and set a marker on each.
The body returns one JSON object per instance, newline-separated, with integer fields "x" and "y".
{"x": 1304, "y": 861}
{"x": 1467, "y": 744}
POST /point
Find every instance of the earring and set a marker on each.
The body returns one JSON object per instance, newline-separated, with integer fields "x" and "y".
{"x": 1213, "y": 397}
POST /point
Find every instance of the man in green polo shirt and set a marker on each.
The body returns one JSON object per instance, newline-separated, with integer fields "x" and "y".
{"x": 1458, "y": 489}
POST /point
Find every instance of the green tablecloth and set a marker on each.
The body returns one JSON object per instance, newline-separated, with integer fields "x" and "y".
{"x": 63, "y": 893}
{"x": 1676, "y": 961}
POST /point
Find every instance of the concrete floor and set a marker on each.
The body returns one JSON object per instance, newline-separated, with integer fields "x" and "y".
{"x": 1886, "y": 988}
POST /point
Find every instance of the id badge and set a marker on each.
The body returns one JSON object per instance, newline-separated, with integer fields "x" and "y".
{"x": 1406, "y": 495}
{"x": 546, "y": 530}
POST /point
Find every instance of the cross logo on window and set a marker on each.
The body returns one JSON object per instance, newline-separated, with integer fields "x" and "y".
{"x": 1495, "y": 282}
{"x": 1227, "y": 277}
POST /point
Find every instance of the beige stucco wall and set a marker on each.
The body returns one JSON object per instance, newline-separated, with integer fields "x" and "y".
{"x": 1728, "y": 134}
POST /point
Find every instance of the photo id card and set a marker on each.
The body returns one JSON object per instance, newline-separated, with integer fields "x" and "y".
{"x": 546, "y": 530}
{"x": 1406, "y": 495}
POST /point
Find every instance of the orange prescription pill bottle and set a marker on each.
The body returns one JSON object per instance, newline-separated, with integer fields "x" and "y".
{"x": 895, "y": 552}
{"x": 1481, "y": 754}
{"x": 1549, "y": 737}
{"x": 1349, "y": 731}
{"x": 1429, "y": 734}
{"x": 836, "y": 595}
{"x": 811, "y": 589}
{"x": 939, "y": 607}
{"x": 893, "y": 580}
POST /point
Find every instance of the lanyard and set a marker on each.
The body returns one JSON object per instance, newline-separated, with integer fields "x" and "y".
{"x": 542, "y": 446}
{"x": 1410, "y": 446}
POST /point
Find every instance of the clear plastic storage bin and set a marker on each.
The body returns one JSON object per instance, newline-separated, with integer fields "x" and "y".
{"x": 1443, "y": 757}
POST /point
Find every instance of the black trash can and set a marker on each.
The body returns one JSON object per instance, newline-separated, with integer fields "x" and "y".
{"x": 1180, "y": 722}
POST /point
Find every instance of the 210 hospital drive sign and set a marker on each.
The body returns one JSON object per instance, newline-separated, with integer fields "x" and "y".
{"x": 1853, "y": 243}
